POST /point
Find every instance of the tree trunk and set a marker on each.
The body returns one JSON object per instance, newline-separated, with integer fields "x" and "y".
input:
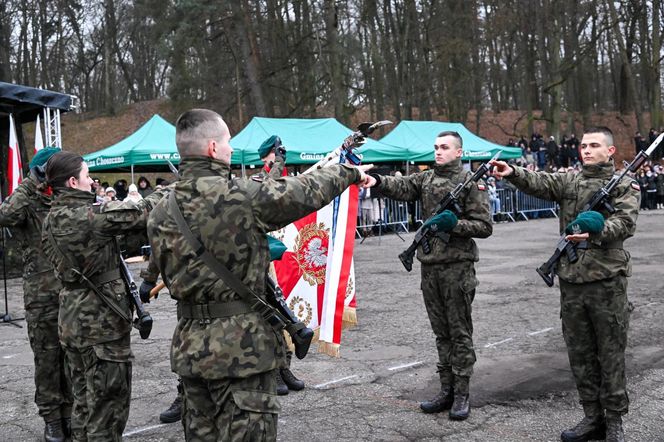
{"x": 626, "y": 66}
{"x": 656, "y": 103}
{"x": 337, "y": 92}
{"x": 249, "y": 48}
{"x": 109, "y": 98}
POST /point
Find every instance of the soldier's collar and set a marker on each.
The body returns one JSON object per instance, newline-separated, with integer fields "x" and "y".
{"x": 72, "y": 197}
{"x": 200, "y": 166}
{"x": 453, "y": 166}
{"x": 601, "y": 170}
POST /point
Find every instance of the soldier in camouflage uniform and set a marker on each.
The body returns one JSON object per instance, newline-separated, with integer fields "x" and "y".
{"x": 24, "y": 211}
{"x": 225, "y": 352}
{"x": 95, "y": 310}
{"x": 593, "y": 291}
{"x": 273, "y": 155}
{"x": 448, "y": 271}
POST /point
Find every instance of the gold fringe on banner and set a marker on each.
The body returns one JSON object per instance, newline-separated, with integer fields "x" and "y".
{"x": 349, "y": 318}
{"x": 328, "y": 348}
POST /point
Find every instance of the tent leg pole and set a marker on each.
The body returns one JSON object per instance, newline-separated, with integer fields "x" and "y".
{"x": 132, "y": 174}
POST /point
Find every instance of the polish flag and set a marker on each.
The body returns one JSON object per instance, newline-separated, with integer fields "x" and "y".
{"x": 316, "y": 273}
{"x": 14, "y": 166}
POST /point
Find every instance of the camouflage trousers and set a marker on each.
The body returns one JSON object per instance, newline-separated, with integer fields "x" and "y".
{"x": 238, "y": 409}
{"x": 595, "y": 319}
{"x": 52, "y": 387}
{"x": 449, "y": 290}
{"x": 102, "y": 391}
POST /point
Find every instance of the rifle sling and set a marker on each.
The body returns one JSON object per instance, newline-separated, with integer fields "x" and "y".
{"x": 91, "y": 282}
{"x": 213, "y": 264}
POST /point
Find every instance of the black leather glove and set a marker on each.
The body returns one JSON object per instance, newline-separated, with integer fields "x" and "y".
{"x": 280, "y": 151}
{"x": 39, "y": 172}
{"x": 144, "y": 291}
{"x": 376, "y": 177}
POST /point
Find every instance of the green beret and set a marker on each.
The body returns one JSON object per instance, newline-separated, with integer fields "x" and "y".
{"x": 444, "y": 221}
{"x": 586, "y": 222}
{"x": 268, "y": 145}
{"x": 43, "y": 155}
{"x": 277, "y": 248}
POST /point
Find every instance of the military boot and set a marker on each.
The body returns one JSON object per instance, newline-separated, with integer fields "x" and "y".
{"x": 282, "y": 388}
{"x": 590, "y": 428}
{"x": 290, "y": 380}
{"x": 173, "y": 413}
{"x": 461, "y": 405}
{"x": 614, "y": 429}
{"x": 53, "y": 431}
{"x": 442, "y": 401}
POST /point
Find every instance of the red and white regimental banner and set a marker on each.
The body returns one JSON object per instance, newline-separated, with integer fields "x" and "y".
{"x": 14, "y": 166}
{"x": 317, "y": 274}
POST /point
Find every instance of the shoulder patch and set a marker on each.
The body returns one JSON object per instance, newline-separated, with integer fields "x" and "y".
{"x": 258, "y": 178}
{"x": 635, "y": 185}
{"x": 481, "y": 186}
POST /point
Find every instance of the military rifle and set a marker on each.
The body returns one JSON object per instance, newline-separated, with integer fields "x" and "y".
{"x": 143, "y": 322}
{"x": 599, "y": 201}
{"x": 352, "y": 141}
{"x": 449, "y": 202}
{"x": 300, "y": 334}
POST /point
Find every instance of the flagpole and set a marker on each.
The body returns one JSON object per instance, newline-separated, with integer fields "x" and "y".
{"x": 14, "y": 178}
{"x": 7, "y": 318}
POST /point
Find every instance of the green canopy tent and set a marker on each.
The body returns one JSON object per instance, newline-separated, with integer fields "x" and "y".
{"x": 417, "y": 138}
{"x": 306, "y": 140}
{"x": 147, "y": 150}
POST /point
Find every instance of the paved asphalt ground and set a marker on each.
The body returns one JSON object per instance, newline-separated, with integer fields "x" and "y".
{"x": 522, "y": 389}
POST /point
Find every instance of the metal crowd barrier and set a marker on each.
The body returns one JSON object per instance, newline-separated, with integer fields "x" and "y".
{"x": 391, "y": 213}
{"x": 506, "y": 198}
{"x": 513, "y": 204}
{"x": 529, "y": 204}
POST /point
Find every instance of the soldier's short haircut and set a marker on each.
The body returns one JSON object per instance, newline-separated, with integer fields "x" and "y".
{"x": 194, "y": 128}
{"x": 601, "y": 130}
{"x": 61, "y": 167}
{"x": 452, "y": 133}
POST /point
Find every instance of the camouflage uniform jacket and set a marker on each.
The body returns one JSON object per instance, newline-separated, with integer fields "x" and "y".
{"x": 85, "y": 234}
{"x": 605, "y": 256}
{"x": 25, "y": 210}
{"x": 230, "y": 216}
{"x": 431, "y": 186}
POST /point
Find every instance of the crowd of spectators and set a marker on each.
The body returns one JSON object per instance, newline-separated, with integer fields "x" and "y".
{"x": 120, "y": 191}
{"x": 548, "y": 155}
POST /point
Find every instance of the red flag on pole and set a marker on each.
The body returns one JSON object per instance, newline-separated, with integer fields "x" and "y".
{"x": 14, "y": 166}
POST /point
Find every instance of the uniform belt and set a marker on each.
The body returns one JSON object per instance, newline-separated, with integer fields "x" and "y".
{"x": 98, "y": 279}
{"x": 213, "y": 310}
{"x": 604, "y": 245}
